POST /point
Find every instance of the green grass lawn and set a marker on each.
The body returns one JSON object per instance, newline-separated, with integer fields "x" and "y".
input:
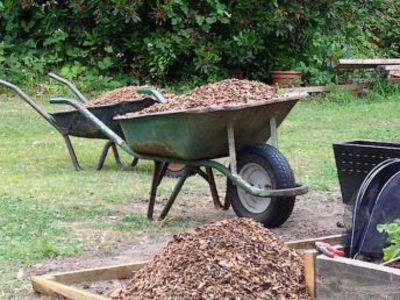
{"x": 41, "y": 196}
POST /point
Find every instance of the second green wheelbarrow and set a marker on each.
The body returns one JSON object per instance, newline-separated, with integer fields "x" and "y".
{"x": 260, "y": 181}
{"x": 72, "y": 123}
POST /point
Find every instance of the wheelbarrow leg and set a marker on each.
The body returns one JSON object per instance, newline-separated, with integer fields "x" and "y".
{"x": 134, "y": 162}
{"x": 201, "y": 173}
{"x": 213, "y": 188}
{"x": 158, "y": 174}
{"x": 209, "y": 177}
{"x": 117, "y": 158}
{"x": 175, "y": 193}
{"x": 214, "y": 191}
{"x": 72, "y": 153}
{"x": 103, "y": 155}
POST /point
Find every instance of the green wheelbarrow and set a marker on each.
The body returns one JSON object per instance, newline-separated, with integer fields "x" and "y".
{"x": 72, "y": 123}
{"x": 260, "y": 181}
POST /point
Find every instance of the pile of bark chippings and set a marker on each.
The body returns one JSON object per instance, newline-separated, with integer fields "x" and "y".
{"x": 232, "y": 259}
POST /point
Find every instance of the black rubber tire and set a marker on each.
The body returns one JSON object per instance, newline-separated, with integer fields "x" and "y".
{"x": 281, "y": 174}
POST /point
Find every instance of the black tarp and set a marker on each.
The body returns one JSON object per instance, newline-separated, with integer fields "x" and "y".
{"x": 377, "y": 202}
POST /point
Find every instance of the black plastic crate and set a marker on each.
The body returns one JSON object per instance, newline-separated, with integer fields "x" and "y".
{"x": 354, "y": 160}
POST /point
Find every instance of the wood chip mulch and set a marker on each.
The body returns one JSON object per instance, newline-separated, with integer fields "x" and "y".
{"x": 232, "y": 259}
{"x": 229, "y": 92}
{"x": 123, "y": 94}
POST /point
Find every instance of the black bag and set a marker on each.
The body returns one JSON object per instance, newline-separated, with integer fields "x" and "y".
{"x": 377, "y": 202}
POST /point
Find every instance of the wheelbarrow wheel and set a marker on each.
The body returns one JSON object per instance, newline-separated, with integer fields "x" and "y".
{"x": 262, "y": 166}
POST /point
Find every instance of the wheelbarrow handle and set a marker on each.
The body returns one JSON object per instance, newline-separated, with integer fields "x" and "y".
{"x": 31, "y": 103}
{"x": 152, "y": 91}
{"x": 103, "y": 127}
{"x": 70, "y": 85}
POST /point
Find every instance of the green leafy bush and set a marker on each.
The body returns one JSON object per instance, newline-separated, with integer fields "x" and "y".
{"x": 393, "y": 232}
{"x": 123, "y": 41}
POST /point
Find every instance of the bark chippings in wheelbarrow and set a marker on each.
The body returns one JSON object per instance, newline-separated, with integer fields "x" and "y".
{"x": 200, "y": 133}
{"x": 233, "y": 259}
{"x": 123, "y": 94}
{"x": 229, "y": 92}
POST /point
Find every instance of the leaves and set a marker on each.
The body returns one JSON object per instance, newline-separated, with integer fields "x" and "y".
{"x": 105, "y": 63}
{"x": 393, "y": 239}
{"x": 193, "y": 40}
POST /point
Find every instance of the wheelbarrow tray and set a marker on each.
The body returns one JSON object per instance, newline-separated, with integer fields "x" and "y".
{"x": 195, "y": 134}
{"x": 75, "y": 124}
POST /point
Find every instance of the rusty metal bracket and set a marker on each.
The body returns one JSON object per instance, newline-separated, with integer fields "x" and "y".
{"x": 232, "y": 148}
{"x": 274, "y": 131}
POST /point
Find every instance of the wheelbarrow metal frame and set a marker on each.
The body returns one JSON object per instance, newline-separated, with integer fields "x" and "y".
{"x": 161, "y": 163}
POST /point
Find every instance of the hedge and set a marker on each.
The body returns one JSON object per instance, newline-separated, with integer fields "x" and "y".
{"x": 181, "y": 40}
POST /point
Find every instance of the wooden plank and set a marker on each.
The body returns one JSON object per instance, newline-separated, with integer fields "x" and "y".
{"x": 394, "y": 74}
{"x": 309, "y": 270}
{"x": 98, "y": 274}
{"x": 310, "y": 243}
{"x": 364, "y": 63}
{"x": 386, "y": 68}
{"x": 52, "y": 288}
{"x": 323, "y": 88}
{"x": 343, "y": 278}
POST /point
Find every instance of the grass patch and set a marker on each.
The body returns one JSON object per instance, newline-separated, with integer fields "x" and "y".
{"x": 45, "y": 204}
{"x": 29, "y": 231}
{"x": 306, "y": 136}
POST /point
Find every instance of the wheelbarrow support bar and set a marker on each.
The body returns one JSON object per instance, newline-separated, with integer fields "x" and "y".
{"x": 69, "y": 84}
{"x": 237, "y": 180}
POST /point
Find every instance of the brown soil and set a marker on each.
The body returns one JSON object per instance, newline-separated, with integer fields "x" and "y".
{"x": 316, "y": 214}
{"x": 236, "y": 258}
{"x": 229, "y": 92}
{"x": 123, "y": 94}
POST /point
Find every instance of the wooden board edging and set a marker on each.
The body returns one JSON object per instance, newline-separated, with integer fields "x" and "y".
{"x": 53, "y": 288}
{"x": 310, "y": 243}
{"x": 59, "y": 283}
{"x": 98, "y": 274}
{"x": 344, "y": 278}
